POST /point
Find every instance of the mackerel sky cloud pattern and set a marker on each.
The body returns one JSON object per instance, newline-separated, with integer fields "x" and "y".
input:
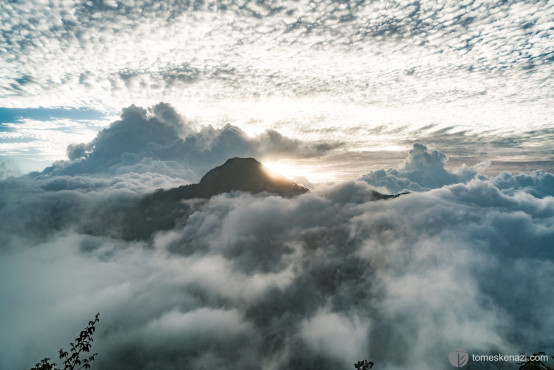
{"x": 369, "y": 72}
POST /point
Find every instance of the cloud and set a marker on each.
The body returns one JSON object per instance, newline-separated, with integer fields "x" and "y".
{"x": 482, "y": 67}
{"x": 341, "y": 336}
{"x": 8, "y": 168}
{"x": 318, "y": 281}
{"x": 422, "y": 170}
{"x": 160, "y": 140}
{"x": 539, "y": 184}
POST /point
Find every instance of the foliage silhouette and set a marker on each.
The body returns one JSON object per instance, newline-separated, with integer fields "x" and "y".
{"x": 72, "y": 360}
{"x": 364, "y": 365}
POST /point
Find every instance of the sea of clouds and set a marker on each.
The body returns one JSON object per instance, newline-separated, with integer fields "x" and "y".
{"x": 245, "y": 281}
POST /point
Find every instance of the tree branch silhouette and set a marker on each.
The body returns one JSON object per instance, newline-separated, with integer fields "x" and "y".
{"x": 72, "y": 360}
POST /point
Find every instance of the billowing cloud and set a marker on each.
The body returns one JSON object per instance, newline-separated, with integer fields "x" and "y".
{"x": 246, "y": 281}
{"x": 422, "y": 170}
{"x": 160, "y": 140}
{"x": 540, "y": 184}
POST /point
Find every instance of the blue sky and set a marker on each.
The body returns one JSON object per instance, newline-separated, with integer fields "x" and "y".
{"x": 15, "y": 115}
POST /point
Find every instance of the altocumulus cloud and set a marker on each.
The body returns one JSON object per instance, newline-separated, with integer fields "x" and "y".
{"x": 258, "y": 281}
{"x": 141, "y": 48}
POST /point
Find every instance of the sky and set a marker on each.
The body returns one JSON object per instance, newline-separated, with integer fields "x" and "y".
{"x": 471, "y": 78}
{"x": 448, "y": 103}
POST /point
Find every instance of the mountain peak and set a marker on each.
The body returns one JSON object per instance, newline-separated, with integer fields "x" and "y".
{"x": 247, "y": 174}
{"x": 236, "y": 174}
{"x": 161, "y": 210}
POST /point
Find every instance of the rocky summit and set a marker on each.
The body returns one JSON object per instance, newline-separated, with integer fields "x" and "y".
{"x": 240, "y": 174}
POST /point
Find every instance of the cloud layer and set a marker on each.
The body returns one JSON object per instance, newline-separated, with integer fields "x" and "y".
{"x": 245, "y": 281}
{"x": 245, "y": 48}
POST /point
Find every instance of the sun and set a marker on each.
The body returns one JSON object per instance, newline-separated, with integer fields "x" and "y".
{"x": 304, "y": 172}
{"x": 283, "y": 167}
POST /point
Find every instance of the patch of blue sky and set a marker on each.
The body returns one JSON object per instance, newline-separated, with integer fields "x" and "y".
{"x": 16, "y": 115}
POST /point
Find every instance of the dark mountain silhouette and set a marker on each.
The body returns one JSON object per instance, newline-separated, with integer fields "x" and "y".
{"x": 237, "y": 174}
{"x": 163, "y": 209}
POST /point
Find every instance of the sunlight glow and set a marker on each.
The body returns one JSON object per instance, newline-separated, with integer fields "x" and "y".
{"x": 284, "y": 168}
{"x": 304, "y": 172}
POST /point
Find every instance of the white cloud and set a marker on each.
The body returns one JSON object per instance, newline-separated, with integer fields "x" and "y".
{"x": 337, "y": 335}
{"x": 317, "y": 281}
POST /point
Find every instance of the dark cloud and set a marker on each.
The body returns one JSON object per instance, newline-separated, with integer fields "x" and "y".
{"x": 247, "y": 281}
